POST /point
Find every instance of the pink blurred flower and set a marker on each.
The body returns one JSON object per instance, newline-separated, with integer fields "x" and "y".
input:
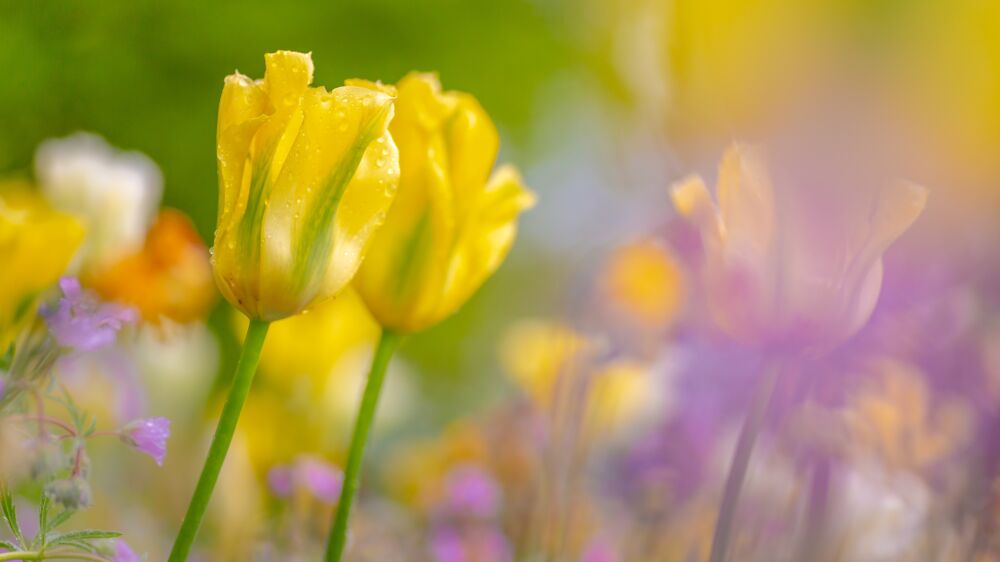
{"x": 321, "y": 479}
{"x": 124, "y": 553}
{"x": 148, "y": 436}
{"x": 782, "y": 272}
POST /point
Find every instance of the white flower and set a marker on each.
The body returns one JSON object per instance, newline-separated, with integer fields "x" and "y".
{"x": 881, "y": 514}
{"x": 115, "y": 193}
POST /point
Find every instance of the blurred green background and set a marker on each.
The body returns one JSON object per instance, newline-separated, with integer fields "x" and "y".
{"x": 147, "y": 76}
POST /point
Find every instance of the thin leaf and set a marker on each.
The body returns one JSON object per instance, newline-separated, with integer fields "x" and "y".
{"x": 84, "y": 535}
{"x": 43, "y": 521}
{"x": 10, "y": 514}
{"x": 61, "y": 518}
{"x": 8, "y": 545}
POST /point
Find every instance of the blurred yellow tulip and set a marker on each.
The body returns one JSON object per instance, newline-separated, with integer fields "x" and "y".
{"x": 624, "y": 394}
{"x": 453, "y": 223}
{"x": 306, "y": 176}
{"x": 305, "y": 349}
{"x": 36, "y": 246}
{"x": 776, "y": 280}
{"x": 896, "y": 418}
{"x": 535, "y": 353}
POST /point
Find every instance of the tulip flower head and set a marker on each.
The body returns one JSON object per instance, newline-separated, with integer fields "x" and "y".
{"x": 453, "y": 222}
{"x": 775, "y": 280}
{"x": 306, "y": 177}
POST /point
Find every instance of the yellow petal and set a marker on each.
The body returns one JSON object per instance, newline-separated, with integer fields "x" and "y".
{"x": 694, "y": 203}
{"x": 318, "y": 173}
{"x": 37, "y": 243}
{"x": 451, "y": 224}
{"x": 746, "y": 198}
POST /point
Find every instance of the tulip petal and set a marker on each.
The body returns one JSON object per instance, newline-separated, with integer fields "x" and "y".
{"x": 483, "y": 246}
{"x": 746, "y": 198}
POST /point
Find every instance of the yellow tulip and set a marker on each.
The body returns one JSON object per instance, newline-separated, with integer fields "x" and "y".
{"x": 453, "y": 223}
{"x": 783, "y": 282}
{"x": 36, "y": 246}
{"x": 306, "y": 176}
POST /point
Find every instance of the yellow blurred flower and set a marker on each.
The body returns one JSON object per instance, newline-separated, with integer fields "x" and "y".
{"x": 536, "y": 353}
{"x": 624, "y": 394}
{"x": 774, "y": 282}
{"x": 307, "y": 348}
{"x": 643, "y": 281}
{"x": 169, "y": 278}
{"x": 453, "y": 223}
{"x": 895, "y": 418}
{"x": 306, "y": 176}
{"x": 36, "y": 245}
{"x": 414, "y": 472}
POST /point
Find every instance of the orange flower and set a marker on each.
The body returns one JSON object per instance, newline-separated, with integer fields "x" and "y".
{"x": 169, "y": 278}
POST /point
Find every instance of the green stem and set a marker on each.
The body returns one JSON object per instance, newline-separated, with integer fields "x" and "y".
{"x": 387, "y": 344}
{"x": 38, "y": 555}
{"x": 741, "y": 460}
{"x": 242, "y": 381}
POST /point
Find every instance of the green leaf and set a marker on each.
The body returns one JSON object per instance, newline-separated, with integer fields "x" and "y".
{"x": 84, "y": 546}
{"x": 43, "y": 520}
{"x": 85, "y": 535}
{"x": 61, "y": 518}
{"x": 10, "y": 514}
{"x": 8, "y": 545}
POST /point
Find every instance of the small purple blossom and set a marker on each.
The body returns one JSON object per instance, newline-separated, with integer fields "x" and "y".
{"x": 470, "y": 491}
{"x": 124, "y": 553}
{"x": 478, "y": 543}
{"x": 82, "y": 322}
{"x": 599, "y": 550}
{"x": 149, "y": 436}
{"x": 322, "y": 480}
{"x": 281, "y": 481}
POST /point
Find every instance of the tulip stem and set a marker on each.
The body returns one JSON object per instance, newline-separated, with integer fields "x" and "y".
{"x": 242, "y": 380}
{"x": 387, "y": 344}
{"x": 741, "y": 460}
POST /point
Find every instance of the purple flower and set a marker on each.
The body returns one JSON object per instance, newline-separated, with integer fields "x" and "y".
{"x": 82, "y": 322}
{"x": 281, "y": 481}
{"x": 148, "y": 436}
{"x": 478, "y": 543}
{"x": 124, "y": 553}
{"x": 470, "y": 491}
{"x": 322, "y": 480}
{"x": 599, "y": 551}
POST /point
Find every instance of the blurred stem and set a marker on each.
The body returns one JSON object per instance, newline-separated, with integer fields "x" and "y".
{"x": 741, "y": 460}
{"x": 811, "y": 546}
{"x": 242, "y": 380}
{"x": 387, "y": 344}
